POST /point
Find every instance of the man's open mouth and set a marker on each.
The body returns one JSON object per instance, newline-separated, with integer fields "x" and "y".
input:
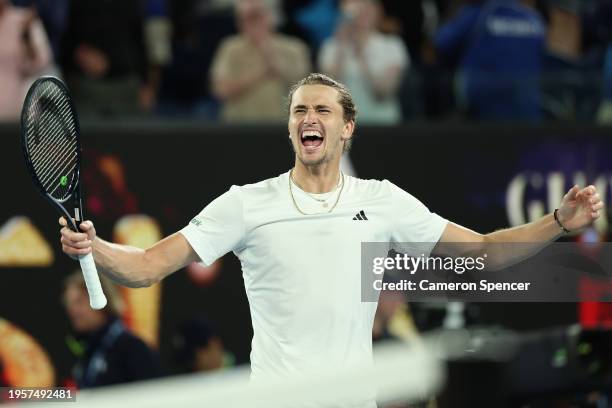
{"x": 312, "y": 138}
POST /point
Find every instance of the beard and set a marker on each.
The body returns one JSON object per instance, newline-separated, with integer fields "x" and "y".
{"x": 327, "y": 156}
{"x": 314, "y": 163}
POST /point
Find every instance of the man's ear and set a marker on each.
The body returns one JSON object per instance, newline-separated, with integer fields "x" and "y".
{"x": 347, "y": 130}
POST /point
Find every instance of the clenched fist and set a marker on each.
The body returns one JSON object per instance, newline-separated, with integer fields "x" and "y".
{"x": 74, "y": 243}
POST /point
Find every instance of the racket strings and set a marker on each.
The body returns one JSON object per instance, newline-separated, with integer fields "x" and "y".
{"x": 34, "y": 142}
{"x": 55, "y": 109}
{"x": 58, "y": 160}
{"x": 49, "y": 173}
{"x": 47, "y": 161}
{"x": 51, "y": 140}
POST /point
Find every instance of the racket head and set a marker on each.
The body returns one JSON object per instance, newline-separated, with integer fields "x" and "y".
{"x": 50, "y": 139}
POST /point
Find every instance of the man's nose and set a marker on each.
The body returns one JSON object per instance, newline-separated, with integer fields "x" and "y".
{"x": 311, "y": 117}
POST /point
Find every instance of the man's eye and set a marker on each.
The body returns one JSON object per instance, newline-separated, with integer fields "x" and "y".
{"x": 324, "y": 110}
{"x": 300, "y": 110}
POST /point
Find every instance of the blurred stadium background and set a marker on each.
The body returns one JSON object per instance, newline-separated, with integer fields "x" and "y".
{"x": 485, "y": 110}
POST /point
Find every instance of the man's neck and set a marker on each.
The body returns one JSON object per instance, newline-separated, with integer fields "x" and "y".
{"x": 318, "y": 179}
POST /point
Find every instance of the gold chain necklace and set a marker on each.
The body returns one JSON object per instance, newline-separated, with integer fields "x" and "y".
{"x": 295, "y": 202}
{"x": 320, "y": 200}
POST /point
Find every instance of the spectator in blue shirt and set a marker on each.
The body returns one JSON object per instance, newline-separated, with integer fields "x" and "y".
{"x": 498, "y": 46}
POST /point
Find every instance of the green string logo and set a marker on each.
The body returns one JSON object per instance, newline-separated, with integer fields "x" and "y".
{"x": 63, "y": 181}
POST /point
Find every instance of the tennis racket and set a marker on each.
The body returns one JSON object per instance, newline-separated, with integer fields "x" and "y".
{"x": 52, "y": 150}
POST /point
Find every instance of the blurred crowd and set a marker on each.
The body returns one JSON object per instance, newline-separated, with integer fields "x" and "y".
{"x": 106, "y": 351}
{"x": 234, "y": 60}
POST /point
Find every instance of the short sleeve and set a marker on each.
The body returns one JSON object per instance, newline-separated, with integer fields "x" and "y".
{"x": 218, "y": 228}
{"x": 414, "y": 228}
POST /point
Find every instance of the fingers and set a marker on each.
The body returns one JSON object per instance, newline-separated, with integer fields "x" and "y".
{"x": 592, "y": 201}
{"x": 76, "y": 248}
{"x": 86, "y": 226}
{"x": 571, "y": 194}
{"x": 63, "y": 221}
{"x": 586, "y": 192}
{"x": 72, "y": 236}
{"x": 75, "y": 252}
{"x": 77, "y": 243}
{"x": 596, "y": 207}
{"x": 586, "y": 199}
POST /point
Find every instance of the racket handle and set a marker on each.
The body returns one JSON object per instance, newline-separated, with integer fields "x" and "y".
{"x": 97, "y": 300}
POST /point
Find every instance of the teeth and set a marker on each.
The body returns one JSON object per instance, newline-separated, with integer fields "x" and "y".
{"x": 312, "y": 133}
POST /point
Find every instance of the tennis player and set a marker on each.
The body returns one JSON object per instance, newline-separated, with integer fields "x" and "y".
{"x": 298, "y": 237}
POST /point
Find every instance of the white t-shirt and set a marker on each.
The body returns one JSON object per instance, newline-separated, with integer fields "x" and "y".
{"x": 302, "y": 273}
{"x": 381, "y": 53}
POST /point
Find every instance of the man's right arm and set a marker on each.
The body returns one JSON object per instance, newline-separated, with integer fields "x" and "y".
{"x": 127, "y": 265}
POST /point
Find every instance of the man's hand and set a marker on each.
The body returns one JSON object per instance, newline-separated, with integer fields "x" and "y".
{"x": 75, "y": 244}
{"x": 579, "y": 208}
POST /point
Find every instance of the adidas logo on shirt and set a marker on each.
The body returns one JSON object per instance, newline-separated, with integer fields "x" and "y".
{"x": 360, "y": 216}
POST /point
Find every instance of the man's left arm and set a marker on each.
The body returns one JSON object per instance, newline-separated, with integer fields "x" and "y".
{"x": 578, "y": 209}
